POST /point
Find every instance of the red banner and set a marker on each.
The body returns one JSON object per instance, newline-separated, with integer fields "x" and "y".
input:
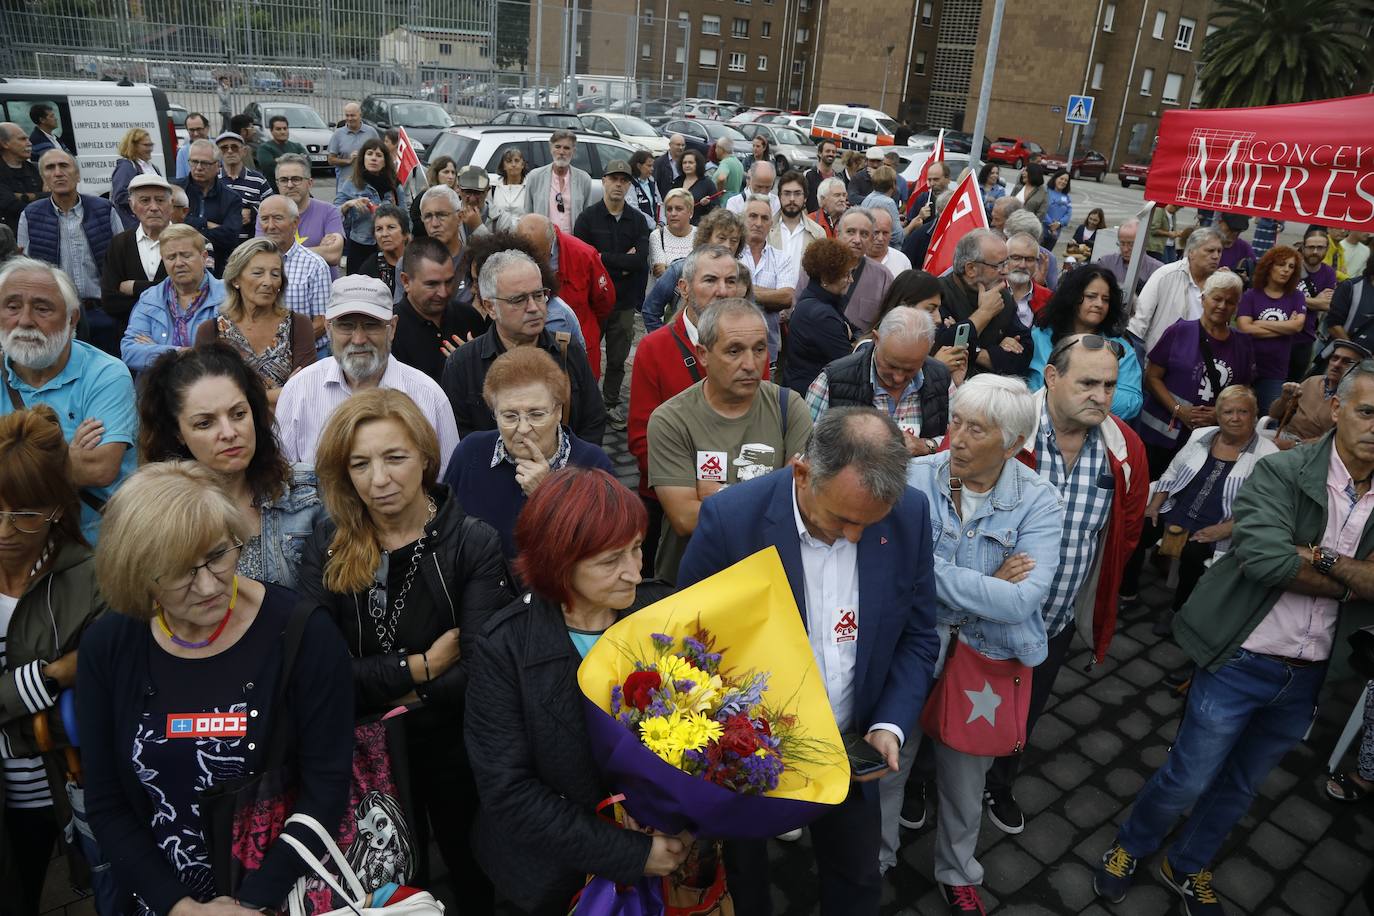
{"x": 962, "y": 215}
{"x": 921, "y": 185}
{"x": 406, "y": 160}
{"x": 1312, "y": 162}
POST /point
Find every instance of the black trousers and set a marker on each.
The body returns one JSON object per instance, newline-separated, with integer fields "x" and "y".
{"x": 846, "y": 841}
{"x": 445, "y": 803}
{"x": 651, "y": 535}
{"x": 1191, "y": 565}
{"x": 618, "y": 331}
{"x": 29, "y": 836}
{"x": 1002, "y": 775}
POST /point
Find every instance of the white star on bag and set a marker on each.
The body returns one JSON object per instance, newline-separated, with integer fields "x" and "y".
{"x": 985, "y": 703}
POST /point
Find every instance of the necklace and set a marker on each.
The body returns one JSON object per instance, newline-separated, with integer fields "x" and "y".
{"x": 384, "y": 622}
{"x": 187, "y": 644}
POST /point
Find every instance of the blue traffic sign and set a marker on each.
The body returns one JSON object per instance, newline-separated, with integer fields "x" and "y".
{"x": 1080, "y": 109}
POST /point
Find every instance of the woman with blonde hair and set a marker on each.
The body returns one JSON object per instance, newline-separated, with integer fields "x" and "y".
{"x": 274, "y": 341}
{"x": 181, "y": 692}
{"x": 672, "y": 241}
{"x": 48, "y": 596}
{"x": 135, "y": 150}
{"x": 410, "y": 579}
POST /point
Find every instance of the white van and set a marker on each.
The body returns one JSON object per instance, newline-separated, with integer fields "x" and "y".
{"x": 93, "y": 117}
{"x": 853, "y": 126}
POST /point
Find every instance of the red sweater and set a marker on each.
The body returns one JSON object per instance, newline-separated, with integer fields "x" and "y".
{"x": 584, "y": 284}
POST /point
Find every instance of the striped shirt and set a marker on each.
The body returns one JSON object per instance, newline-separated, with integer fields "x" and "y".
{"x": 311, "y": 395}
{"x": 252, "y": 186}
{"x": 307, "y": 282}
{"x": 26, "y": 782}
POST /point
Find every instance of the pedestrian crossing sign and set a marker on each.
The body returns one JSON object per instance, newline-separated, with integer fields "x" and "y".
{"x": 1079, "y": 109}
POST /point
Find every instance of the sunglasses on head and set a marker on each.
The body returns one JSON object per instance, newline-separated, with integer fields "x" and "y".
{"x": 1089, "y": 342}
{"x": 558, "y": 199}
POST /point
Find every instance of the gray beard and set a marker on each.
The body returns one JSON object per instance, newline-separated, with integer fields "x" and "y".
{"x": 22, "y": 349}
{"x": 1019, "y": 278}
{"x": 362, "y": 367}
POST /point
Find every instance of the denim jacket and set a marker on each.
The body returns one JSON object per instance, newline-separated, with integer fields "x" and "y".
{"x": 1021, "y": 515}
{"x": 287, "y": 522}
{"x": 357, "y": 225}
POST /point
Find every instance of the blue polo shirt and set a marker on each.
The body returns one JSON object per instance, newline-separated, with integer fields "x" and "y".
{"x": 92, "y": 384}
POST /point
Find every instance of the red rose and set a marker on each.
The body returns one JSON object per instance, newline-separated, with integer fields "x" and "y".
{"x": 739, "y": 737}
{"x": 639, "y": 687}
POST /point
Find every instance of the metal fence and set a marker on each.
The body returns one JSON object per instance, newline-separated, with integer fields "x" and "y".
{"x": 472, "y": 56}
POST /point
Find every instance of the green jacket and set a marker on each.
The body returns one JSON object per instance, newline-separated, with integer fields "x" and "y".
{"x": 1282, "y": 504}
{"x": 268, "y": 151}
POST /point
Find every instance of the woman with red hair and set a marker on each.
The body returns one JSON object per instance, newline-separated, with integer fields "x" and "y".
{"x": 1273, "y": 312}
{"x": 538, "y": 834}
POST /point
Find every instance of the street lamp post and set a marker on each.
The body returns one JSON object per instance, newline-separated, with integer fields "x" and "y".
{"x": 882, "y": 105}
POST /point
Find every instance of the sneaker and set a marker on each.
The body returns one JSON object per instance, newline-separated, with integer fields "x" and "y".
{"x": 1196, "y": 890}
{"x": 1113, "y": 879}
{"x": 913, "y": 814}
{"x": 962, "y": 898}
{"x": 790, "y": 836}
{"x": 1004, "y": 811}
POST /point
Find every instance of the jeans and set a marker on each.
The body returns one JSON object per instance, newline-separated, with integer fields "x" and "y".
{"x": 1267, "y": 391}
{"x": 618, "y": 330}
{"x": 1239, "y": 723}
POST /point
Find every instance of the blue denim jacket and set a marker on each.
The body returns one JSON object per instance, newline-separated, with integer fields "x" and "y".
{"x": 1022, "y": 515}
{"x": 287, "y": 522}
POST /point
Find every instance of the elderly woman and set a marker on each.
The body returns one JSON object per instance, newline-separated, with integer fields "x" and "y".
{"x": 182, "y": 694}
{"x": 391, "y": 228}
{"x": 135, "y": 158}
{"x": 1189, "y": 367}
{"x": 493, "y": 472}
{"x": 510, "y": 197}
{"x": 208, "y": 406}
{"x": 818, "y": 332}
{"x": 411, "y": 580}
{"x": 719, "y": 227}
{"x": 48, "y": 596}
{"x": 1274, "y": 313}
{"x": 1088, "y": 301}
{"x": 274, "y": 341}
{"x": 538, "y": 834}
{"x": 167, "y": 315}
{"x": 921, "y": 290}
{"x": 996, "y": 526}
{"x": 696, "y": 182}
{"x": 370, "y": 183}
{"x": 674, "y": 239}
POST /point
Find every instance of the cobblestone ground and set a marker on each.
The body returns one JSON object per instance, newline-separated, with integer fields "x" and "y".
{"x": 1103, "y": 733}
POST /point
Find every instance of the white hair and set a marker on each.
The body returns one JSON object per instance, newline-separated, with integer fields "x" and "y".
{"x": 444, "y": 191}
{"x": 1199, "y": 237}
{"x": 291, "y": 207}
{"x": 827, "y": 187}
{"x": 1000, "y": 400}
{"x": 1222, "y": 280}
{"x": 205, "y": 145}
{"x": 498, "y": 264}
{"x": 906, "y": 322}
{"x": 1023, "y": 221}
{"x": 21, "y": 264}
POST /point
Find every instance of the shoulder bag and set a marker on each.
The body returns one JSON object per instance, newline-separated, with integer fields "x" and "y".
{"x": 979, "y": 705}
{"x": 397, "y": 900}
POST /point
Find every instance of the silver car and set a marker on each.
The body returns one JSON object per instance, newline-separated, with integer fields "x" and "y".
{"x": 307, "y": 127}
{"x": 791, "y": 149}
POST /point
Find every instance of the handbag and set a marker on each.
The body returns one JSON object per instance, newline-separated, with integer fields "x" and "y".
{"x": 397, "y": 900}
{"x": 1172, "y": 542}
{"x": 979, "y": 705}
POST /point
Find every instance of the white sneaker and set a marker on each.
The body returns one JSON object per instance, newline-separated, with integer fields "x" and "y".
{"x": 790, "y": 836}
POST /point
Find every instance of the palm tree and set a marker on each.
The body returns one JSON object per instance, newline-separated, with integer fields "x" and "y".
{"x": 1271, "y": 52}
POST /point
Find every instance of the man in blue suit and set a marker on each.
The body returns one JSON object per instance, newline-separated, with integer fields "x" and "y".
{"x": 856, "y": 544}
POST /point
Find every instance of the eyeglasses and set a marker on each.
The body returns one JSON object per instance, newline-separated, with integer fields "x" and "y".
{"x": 520, "y": 300}
{"x": 292, "y": 179}
{"x": 997, "y": 266}
{"x": 29, "y": 522}
{"x": 203, "y": 163}
{"x": 370, "y": 326}
{"x": 1090, "y": 342}
{"x": 220, "y": 563}
{"x": 1022, "y": 259}
{"x": 534, "y": 417}
{"x": 558, "y": 199}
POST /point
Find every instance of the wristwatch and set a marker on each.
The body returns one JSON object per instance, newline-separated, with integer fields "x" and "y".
{"x": 1324, "y": 560}
{"x": 931, "y": 444}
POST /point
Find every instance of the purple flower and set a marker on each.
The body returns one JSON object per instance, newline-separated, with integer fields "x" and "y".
{"x": 662, "y": 640}
{"x": 684, "y": 686}
{"x": 617, "y": 700}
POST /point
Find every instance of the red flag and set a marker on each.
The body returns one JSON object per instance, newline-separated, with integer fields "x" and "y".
{"x": 962, "y": 215}
{"x": 937, "y": 154}
{"x": 406, "y": 160}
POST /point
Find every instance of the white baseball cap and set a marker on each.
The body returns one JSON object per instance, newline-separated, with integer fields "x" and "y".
{"x": 359, "y": 295}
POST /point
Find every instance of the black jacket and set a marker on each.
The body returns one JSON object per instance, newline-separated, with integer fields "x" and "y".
{"x": 222, "y": 206}
{"x": 817, "y": 334}
{"x": 958, "y": 302}
{"x": 537, "y": 835}
{"x": 123, "y": 263}
{"x": 612, "y": 238}
{"x": 850, "y": 384}
{"x": 23, "y": 180}
{"x": 664, "y": 176}
{"x": 417, "y": 339}
{"x": 464, "y": 581}
{"x": 467, "y": 368}
{"x": 860, "y": 186}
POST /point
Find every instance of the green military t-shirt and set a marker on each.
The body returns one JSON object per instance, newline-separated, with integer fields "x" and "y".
{"x": 690, "y": 442}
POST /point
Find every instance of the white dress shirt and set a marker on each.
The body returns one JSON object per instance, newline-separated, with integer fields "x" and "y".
{"x": 794, "y": 243}
{"x": 896, "y": 262}
{"x": 148, "y": 252}
{"x": 736, "y": 203}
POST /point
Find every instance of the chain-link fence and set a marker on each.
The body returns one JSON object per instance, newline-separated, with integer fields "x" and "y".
{"x": 474, "y": 57}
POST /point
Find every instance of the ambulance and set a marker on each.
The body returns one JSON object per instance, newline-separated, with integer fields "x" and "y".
{"x": 853, "y": 126}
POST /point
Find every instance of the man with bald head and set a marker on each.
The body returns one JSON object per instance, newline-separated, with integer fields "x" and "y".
{"x": 761, "y": 178}
{"x": 668, "y": 167}
{"x": 20, "y": 183}
{"x": 307, "y": 274}
{"x": 349, "y": 138}
{"x": 583, "y": 281}
{"x": 1119, "y": 261}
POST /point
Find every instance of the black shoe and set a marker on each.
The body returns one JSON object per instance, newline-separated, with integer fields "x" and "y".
{"x": 914, "y": 810}
{"x": 1164, "y": 624}
{"x": 1004, "y": 811}
{"x": 1175, "y": 680}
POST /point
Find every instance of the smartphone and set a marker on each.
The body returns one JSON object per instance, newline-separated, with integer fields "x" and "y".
{"x": 961, "y": 335}
{"x": 863, "y": 757}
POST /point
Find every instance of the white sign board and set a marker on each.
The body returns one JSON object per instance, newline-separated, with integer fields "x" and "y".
{"x": 99, "y": 122}
{"x": 1079, "y": 109}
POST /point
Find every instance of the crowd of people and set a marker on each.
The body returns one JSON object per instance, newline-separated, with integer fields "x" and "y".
{"x": 273, "y": 467}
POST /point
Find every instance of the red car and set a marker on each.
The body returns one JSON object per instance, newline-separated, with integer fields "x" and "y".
{"x": 1133, "y": 173}
{"x": 1014, "y": 151}
{"x": 1091, "y": 164}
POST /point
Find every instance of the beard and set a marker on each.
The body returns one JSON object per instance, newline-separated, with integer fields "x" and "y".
{"x": 562, "y": 162}
{"x": 361, "y": 363}
{"x": 791, "y": 210}
{"x": 33, "y": 349}
{"x": 1019, "y": 277}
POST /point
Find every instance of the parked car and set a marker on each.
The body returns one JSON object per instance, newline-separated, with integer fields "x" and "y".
{"x": 1129, "y": 173}
{"x": 693, "y": 108}
{"x": 1013, "y": 151}
{"x": 957, "y": 162}
{"x": 801, "y": 122}
{"x": 178, "y": 114}
{"x": 162, "y": 76}
{"x": 956, "y": 141}
{"x": 754, "y": 114}
{"x": 307, "y": 127}
{"x": 267, "y": 81}
{"x": 791, "y": 148}
{"x": 202, "y": 80}
{"x": 422, "y": 120}
{"x": 592, "y": 103}
{"x": 298, "y": 82}
{"x": 700, "y": 133}
{"x": 627, "y": 129}
{"x": 1091, "y": 164}
{"x": 537, "y": 117}
{"x": 485, "y": 144}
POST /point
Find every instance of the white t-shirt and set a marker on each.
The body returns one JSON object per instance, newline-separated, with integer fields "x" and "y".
{"x": 26, "y": 782}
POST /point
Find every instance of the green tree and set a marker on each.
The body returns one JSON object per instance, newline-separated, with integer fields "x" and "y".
{"x": 1271, "y": 52}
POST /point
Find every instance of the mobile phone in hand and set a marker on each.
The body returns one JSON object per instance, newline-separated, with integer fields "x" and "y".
{"x": 961, "y": 335}
{"x": 863, "y": 757}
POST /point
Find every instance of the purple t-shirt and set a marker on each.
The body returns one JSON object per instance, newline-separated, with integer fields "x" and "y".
{"x": 320, "y": 218}
{"x": 1271, "y": 353}
{"x": 1180, "y": 353}
{"x": 1312, "y": 285}
{"x": 1240, "y": 250}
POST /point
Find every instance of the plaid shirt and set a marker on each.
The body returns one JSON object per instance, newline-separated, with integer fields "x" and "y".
{"x": 1087, "y": 507}
{"x": 307, "y": 281}
{"x": 906, "y": 412}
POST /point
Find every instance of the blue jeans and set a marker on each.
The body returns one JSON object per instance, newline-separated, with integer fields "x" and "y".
{"x": 1239, "y": 723}
{"x": 1267, "y": 391}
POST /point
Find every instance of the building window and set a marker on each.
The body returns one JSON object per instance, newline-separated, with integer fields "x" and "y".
{"x": 1184, "y": 40}
{"x": 739, "y": 28}
{"x": 707, "y": 60}
{"x": 803, "y": 36}
{"x": 737, "y": 61}
{"x": 1097, "y": 76}
{"x": 806, "y": 6}
{"x": 710, "y": 25}
{"x": 1147, "y": 80}
{"x": 763, "y": 64}
{"x": 1173, "y": 85}
{"x": 1196, "y": 100}
{"x": 1161, "y": 20}
{"x": 927, "y": 13}
{"x": 1108, "y": 17}
{"x": 920, "y": 62}
{"x": 649, "y": 16}
{"x": 743, "y": 2}
{"x": 1211, "y": 29}
{"x": 646, "y": 51}
{"x": 445, "y": 49}
{"x": 766, "y": 29}
{"x": 706, "y": 89}
{"x": 1139, "y": 132}
{"x": 677, "y": 55}
{"x": 798, "y": 67}
{"x": 734, "y": 93}
{"x": 758, "y": 95}
{"x": 577, "y": 51}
